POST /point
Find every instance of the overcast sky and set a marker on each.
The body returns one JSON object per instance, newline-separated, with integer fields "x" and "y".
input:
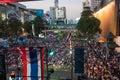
{"x": 73, "y": 7}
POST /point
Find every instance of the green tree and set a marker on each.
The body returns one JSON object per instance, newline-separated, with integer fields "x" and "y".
{"x": 27, "y": 26}
{"x": 3, "y": 28}
{"x": 38, "y": 25}
{"x": 88, "y": 24}
{"x": 14, "y": 27}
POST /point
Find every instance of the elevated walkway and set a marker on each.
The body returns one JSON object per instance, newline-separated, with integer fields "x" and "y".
{"x": 62, "y": 25}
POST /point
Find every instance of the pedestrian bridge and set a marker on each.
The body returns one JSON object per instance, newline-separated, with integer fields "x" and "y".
{"x": 62, "y": 25}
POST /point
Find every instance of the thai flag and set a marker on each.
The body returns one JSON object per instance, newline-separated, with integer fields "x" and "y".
{"x": 68, "y": 36}
{"x": 33, "y": 63}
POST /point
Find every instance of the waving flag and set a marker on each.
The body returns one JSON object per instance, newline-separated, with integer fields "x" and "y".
{"x": 33, "y": 63}
{"x": 68, "y": 36}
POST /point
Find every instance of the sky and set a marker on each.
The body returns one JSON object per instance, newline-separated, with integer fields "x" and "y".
{"x": 73, "y": 7}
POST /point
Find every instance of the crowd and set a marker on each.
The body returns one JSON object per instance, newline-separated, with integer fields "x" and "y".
{"x": 61, "y": 59}
{"x": 99, "y": 64}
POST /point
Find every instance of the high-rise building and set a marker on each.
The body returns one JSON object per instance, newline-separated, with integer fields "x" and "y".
{"x": 57, "y": 14}
{"x": 86, "y": 3}
{"x": 60, "y": 15}
{"x": 52, "y": 15}
{"x": 56, "y": 3}
{"x": 97, "y": 4}
{"x": 109, "y": 16}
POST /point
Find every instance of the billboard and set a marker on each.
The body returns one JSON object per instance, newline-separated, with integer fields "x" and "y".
{"x": 107, "y": 16}
{"x": 60, "y": 13}
{"x": 40, "y": 13}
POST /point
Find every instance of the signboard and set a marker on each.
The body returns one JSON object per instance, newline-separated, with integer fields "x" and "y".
{"x": 60, "y": 13}
{"x": 40, "y": 13}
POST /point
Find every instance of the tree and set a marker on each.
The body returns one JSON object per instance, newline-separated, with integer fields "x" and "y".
{"x": 88, "y": 24}
{"x": 28, "y": 26}
{"x": 38, "y": 25}
{"x": 3, "y": 28}
{"x": 14, "y": 27}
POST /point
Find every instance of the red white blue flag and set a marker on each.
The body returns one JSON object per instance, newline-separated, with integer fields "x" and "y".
{"x": 68, "y": 36}
{"x": 33, "y": 63}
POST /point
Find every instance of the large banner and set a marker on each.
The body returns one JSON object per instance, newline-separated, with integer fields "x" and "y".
{"x": 33, "y": 62}
{"x": 40, "y": 13}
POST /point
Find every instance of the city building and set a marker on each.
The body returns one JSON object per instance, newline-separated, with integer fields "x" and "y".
{"x": 97, "y": 4}
{"x": 109, "y": 15}
{"x": 3, "y": 12}
{"x": 60, "y": 15}
{"x": 52, "y": 15}
{"x": 57, "y": 14}
{"x": 16, "y": 10}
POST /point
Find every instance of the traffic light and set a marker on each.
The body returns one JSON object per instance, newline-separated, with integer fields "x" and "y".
{"x": 51, "y": 53}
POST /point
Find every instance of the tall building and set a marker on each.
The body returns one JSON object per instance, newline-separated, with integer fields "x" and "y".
{"x": 52, "y": 15}
{"x": 15, "y": 10}
{"x": 97, "y": 4}
{"x": 60, "y": 15}
{"x": 86, "y": 3}
{"x": 3, "y": 12}
{"x": 56, "y": 3}
{"x": 57, "y": 14}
